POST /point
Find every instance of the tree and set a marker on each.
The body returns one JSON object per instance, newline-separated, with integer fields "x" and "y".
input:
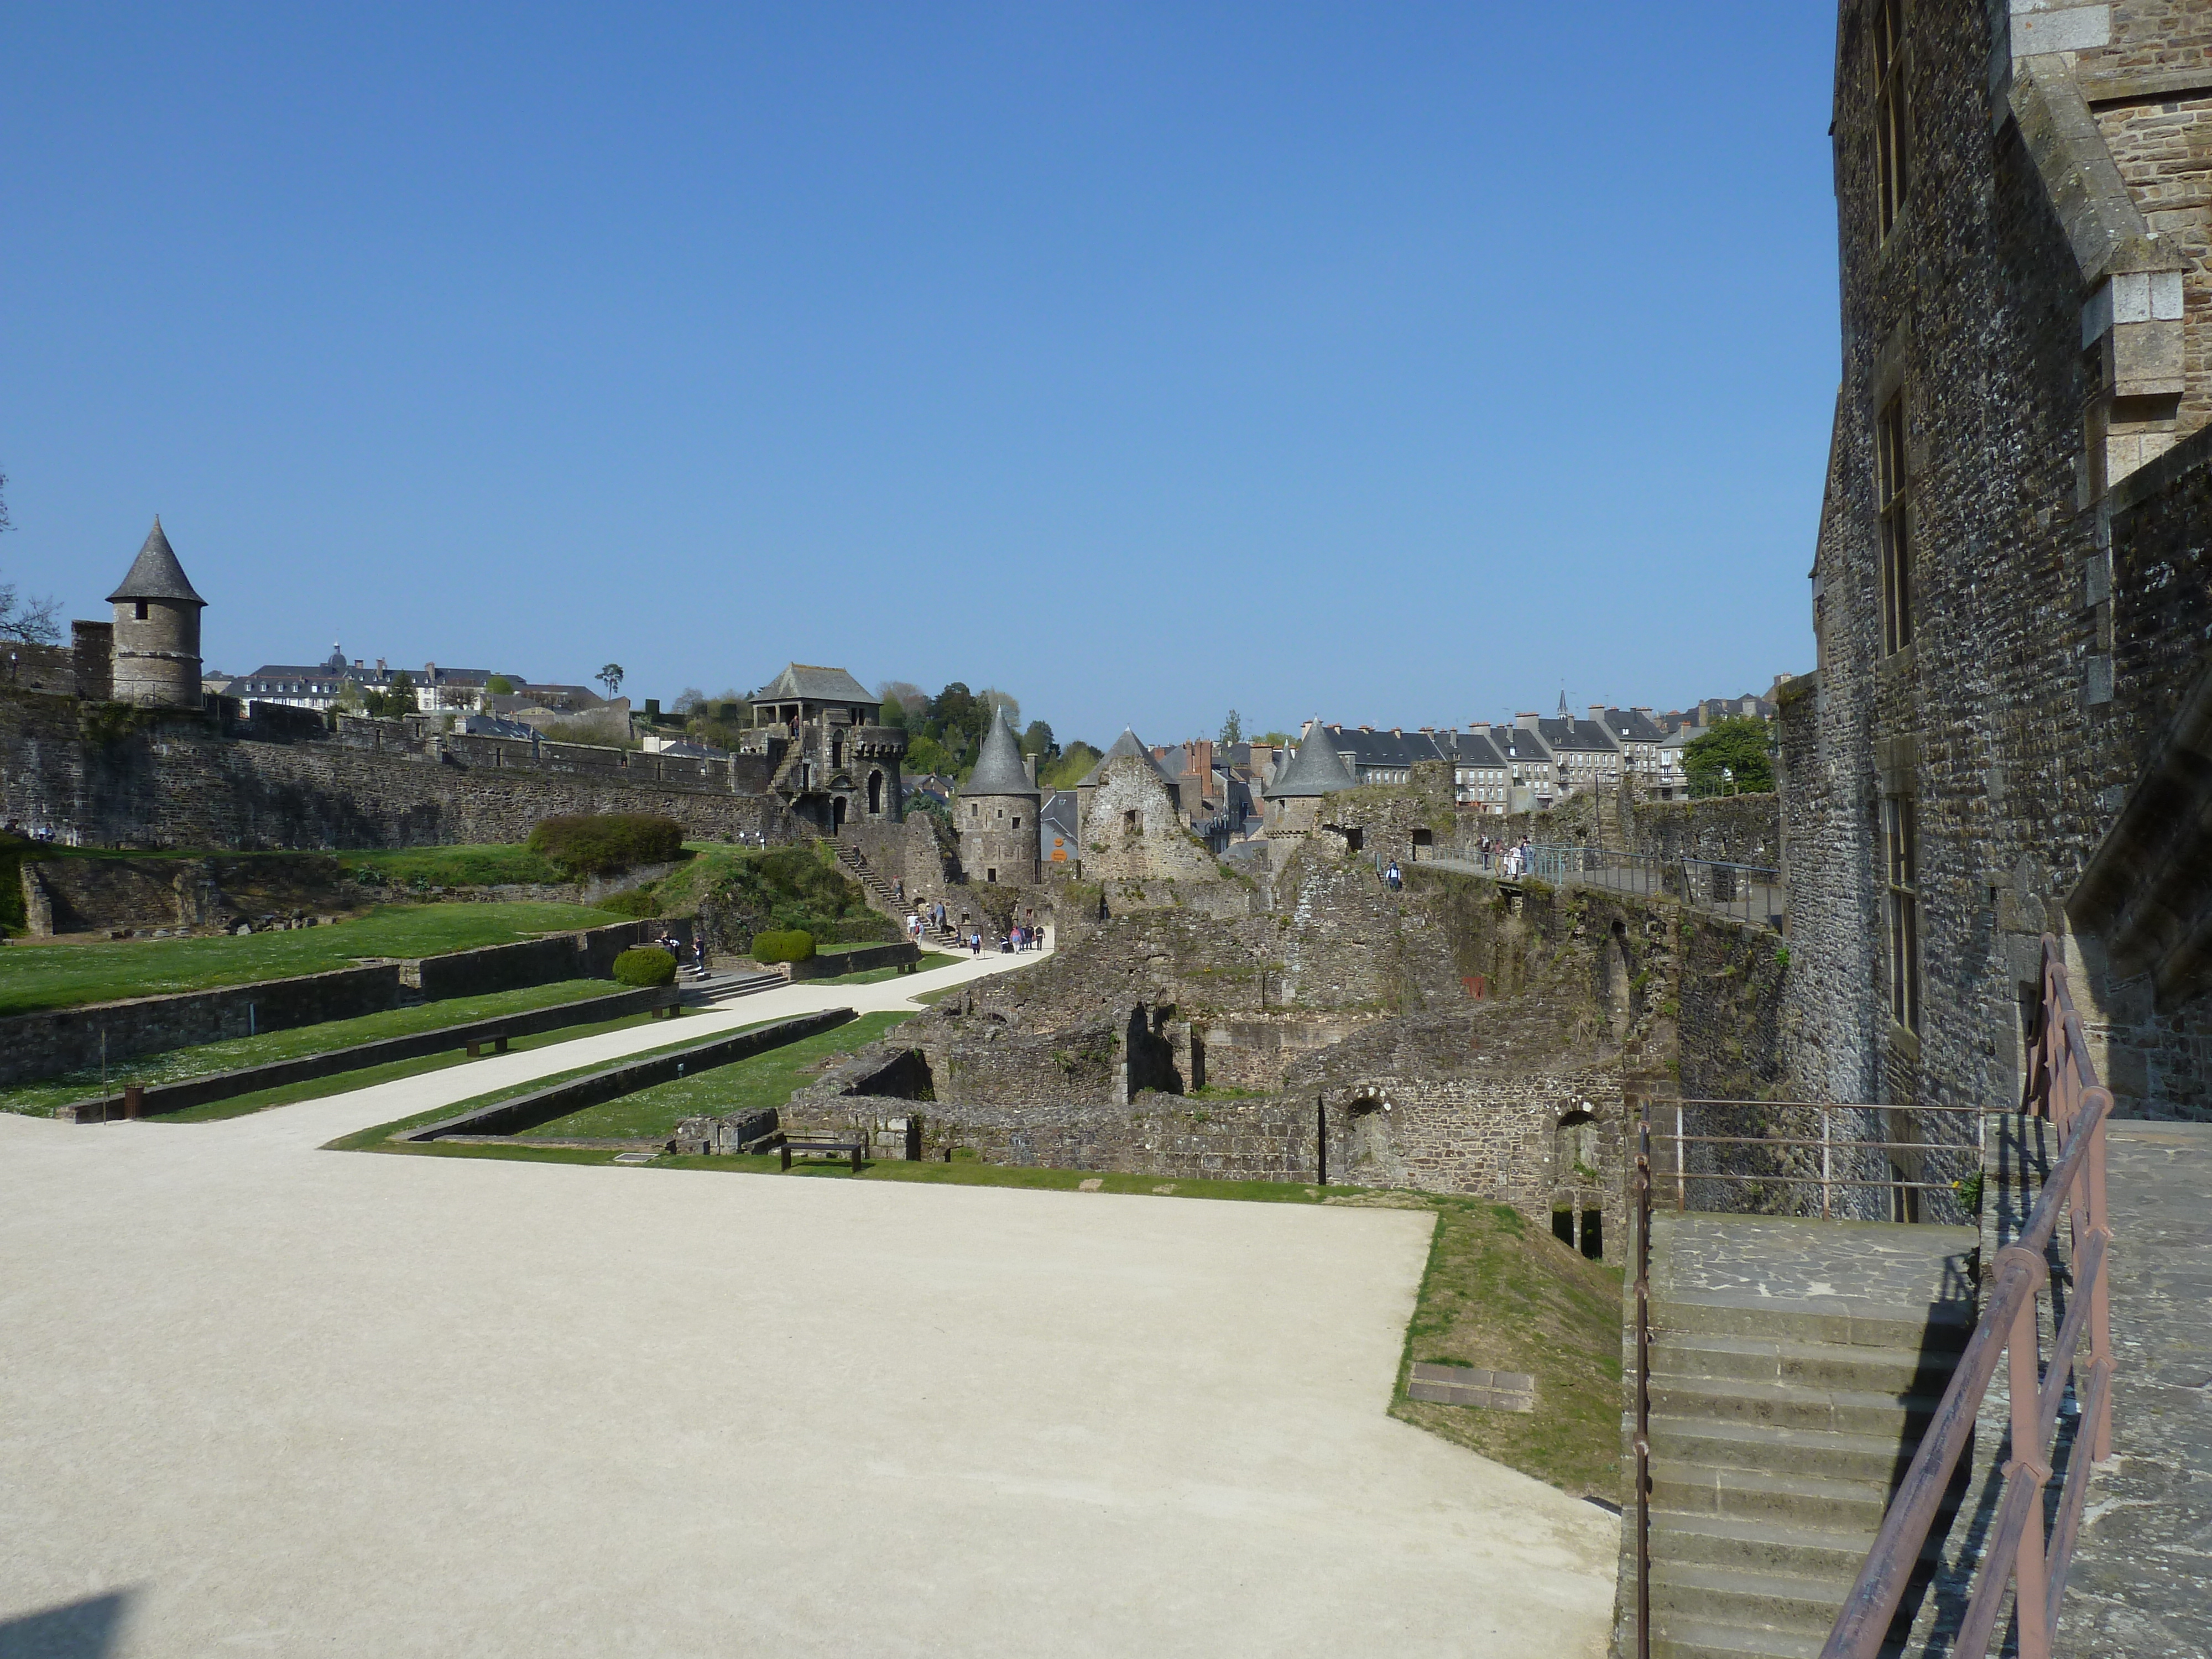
{"x": 32, "y": 621}
{"x": 1730, "y": 757}
{"x": 993, "y": 702}
{"x": 1076, "y": 759}
{"x": 499, "y": 686}
{"x": 612, "y": 677}
{"x": 1037, "y": 741}
{"x": 1232, "y": 731}
{"x": 395, "y": 701}
{"x": 689, "y": 701}
{"x": 903, "y": 694}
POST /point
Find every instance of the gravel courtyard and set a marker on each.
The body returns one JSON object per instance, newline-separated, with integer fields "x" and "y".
{"x": 261, "y": 1398}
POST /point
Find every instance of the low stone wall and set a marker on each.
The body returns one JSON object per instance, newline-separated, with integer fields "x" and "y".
{"x": 163, "y": 1098}
{"x": 509, "y": 1117}
{"x": 862, "y": 961}
{"x": 57, "y": 1041}
{"x": 587, "y": 955}
{"x": 1155, "y": 1134}
{"x": 82, "y": 895}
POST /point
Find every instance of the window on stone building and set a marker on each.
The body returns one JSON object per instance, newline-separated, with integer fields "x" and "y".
{"x": 1892, "y": 131}
{"x": 1901, "y": 854}
{"x": 1889, "y": 441}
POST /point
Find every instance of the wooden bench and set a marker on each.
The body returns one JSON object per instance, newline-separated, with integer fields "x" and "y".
{"x": 811, "y": 1143}
{"x": 497, "y": 1039}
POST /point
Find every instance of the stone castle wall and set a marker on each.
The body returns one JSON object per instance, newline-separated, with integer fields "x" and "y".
{"x": 150, "y": 782}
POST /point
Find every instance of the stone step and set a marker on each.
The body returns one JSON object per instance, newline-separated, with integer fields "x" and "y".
{"x": 1822, "y": 1364}
{"x": 1783, "y": 1405}
{"x": 723, "y": 987}
{"x": 1943, "y": 1325}
{"x": 1703, "y": 1638}
{"x": 1719, "y": 1443}
{"x": 1760, "y": 1546}
{"x": 1815, "y": 1502}
{"x": 1747, "y": 1599}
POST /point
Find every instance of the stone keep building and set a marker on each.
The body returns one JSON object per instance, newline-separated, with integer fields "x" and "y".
{"x": 1129, "y": 821}
{"x": 830, "y": 757}
{"x": 2007, "y": 730}
{"x": 157, "y": 630}
{"x": 996, "y": 811}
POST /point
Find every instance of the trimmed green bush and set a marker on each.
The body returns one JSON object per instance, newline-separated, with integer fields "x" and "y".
{"x": 646, "y": 964}
{"x": 794, "y": 945}
{"x": 606, "y": 844}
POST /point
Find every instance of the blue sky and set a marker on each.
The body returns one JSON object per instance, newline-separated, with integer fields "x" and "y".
{"x": 1399, "y": 365}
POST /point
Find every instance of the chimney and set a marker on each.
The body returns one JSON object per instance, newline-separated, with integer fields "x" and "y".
{"x": 1526, "y": 722}
{"x": 380, "y": 666}
{"x": 1029, "y": 770}
{"x": 1597, "y": 714}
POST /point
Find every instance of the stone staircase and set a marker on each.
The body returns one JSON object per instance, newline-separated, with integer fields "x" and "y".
{"x": 728, "y": 984}
{"x": 1794, "y": 1365}
{"x": 881, "y": 894}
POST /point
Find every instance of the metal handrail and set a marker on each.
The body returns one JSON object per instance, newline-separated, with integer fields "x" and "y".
{"x": 2063, "y": 1088}
{"x": 1642, "y": 1443}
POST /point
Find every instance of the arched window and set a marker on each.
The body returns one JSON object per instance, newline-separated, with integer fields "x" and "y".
{"x": 875, "y": 793}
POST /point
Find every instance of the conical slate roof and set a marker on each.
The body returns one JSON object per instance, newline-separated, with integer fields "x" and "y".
{"x": 999, "y": 769}
{"x": 155, "y": 574}
{"x": 1125, "y": 746}
{"x": 1317, "y": 769}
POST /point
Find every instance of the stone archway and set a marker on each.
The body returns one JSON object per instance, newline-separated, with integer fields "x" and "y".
{"x": 875, "y": 794}
{"x": 1578, "y": 1184}
{"x": 836, "y": 813}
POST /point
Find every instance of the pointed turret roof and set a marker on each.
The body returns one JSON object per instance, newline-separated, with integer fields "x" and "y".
{"x": 1317, "y": 769}
{"x": 1125, "y": 746}
{"x": 155, "y": 574}
{"x": 999, "y": 768}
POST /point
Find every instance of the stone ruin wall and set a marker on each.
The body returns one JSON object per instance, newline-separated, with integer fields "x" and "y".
{"x": 157, "y": 782}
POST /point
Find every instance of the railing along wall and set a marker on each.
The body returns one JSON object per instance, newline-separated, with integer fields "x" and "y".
{"x": 2063, "y": 1087}
{"x": 1747, "y": 892}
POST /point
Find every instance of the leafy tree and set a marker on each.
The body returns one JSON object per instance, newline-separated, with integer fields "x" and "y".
{"x": 994, "y": 700}
{"x": 396, "y": 701}
{"x": 1076, "y": 759}
{"x": 499, "y": 686}
{"x": 1276, "y": 740}
{"x": 1232, "y": 731}
{"x": 612, "y": 677}
{"x": 1037, "y": 740}
{"x": 1739, "y": 746}
{"x": 903, "y": 694}
{"x": 926, "y": 754}
{"x": 32, "y": 621}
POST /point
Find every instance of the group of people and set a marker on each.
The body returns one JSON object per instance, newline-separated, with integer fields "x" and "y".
{"x": 696, "y": 966}
{"x": 1510, "y": 859}
{"x": 44, "y": 833}
{"x": 1024, "y": 934}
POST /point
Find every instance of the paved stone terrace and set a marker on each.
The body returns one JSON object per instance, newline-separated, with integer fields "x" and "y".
{"x": 1849, "y": 1272}
{"x": 2141, "y": 1582}
{"x": 266, "y": 1398}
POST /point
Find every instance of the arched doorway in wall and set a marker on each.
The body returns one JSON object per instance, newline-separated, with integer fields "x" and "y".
{"x": 875, "y": 794}
{"x": 1367, "y": 1133}
{"x": 1578, "y": 1184}
{"x": 836, "y": 813}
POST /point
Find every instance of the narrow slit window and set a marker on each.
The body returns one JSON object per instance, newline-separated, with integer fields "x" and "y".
{"x": 1893, "y": 140}
{"x": 1901, "y": 853}
{"x": 1890, "y": 482}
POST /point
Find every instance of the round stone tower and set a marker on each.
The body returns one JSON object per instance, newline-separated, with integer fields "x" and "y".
{"x": 157, "y": 630}
{"x": 997, "y": 813}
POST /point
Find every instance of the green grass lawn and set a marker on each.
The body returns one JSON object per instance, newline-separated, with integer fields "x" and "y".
{"x": 377, "y": 1138}
{"x": 39, "y": 1099}
{"x": 1500, "y": 1292}
{"x": 34, "y": 976}
{"x": 929, "y": 961}
{"x": 480, "y": 865}
{"x": 764, "y": 1080}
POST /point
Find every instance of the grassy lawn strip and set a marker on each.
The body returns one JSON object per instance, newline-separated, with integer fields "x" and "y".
{"x": 34, "y": 976}
{"x": 375, "y": 1138}
{"x": 929, "y": 961}
{"x": 480, "y": 865}
{"x": 39, "y": 1099}
{"x": 763, "y": 1080}
{"x": 1501, "y": 1293}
